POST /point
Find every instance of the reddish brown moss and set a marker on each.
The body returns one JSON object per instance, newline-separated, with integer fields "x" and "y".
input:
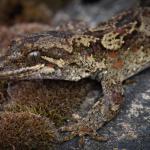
{"x": 25, "y": 131}
{"x": 57, "y": 100}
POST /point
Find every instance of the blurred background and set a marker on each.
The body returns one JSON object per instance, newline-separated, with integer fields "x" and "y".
{"x": 56, "y": 11}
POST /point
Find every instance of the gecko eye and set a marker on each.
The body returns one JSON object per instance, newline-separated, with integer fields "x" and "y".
{"x": 34, "y": 56}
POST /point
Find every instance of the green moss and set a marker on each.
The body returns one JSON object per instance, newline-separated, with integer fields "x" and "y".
{"x": 52, "y": 114}
{"x": 25, "y": 131}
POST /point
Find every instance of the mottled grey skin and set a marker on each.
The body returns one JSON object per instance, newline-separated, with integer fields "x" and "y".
{"x": 110, "y": 53}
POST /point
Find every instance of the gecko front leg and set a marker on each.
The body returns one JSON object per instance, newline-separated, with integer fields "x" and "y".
{"x": 103, "y": 111}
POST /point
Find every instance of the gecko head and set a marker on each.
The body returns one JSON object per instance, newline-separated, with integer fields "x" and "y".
{"x": 26, "y": 59}
{"x": 19, "y": 67}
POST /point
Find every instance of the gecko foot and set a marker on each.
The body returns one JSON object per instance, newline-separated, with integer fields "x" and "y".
{"x": 81, "y": 131}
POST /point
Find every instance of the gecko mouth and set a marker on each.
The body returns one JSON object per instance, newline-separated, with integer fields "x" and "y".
{"x": 26, "y": 72}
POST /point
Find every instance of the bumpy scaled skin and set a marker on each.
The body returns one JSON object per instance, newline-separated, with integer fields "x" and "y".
{"x": 110, "y": 53}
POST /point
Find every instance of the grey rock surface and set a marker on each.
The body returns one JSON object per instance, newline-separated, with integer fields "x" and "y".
{"x": 131, "y": 129}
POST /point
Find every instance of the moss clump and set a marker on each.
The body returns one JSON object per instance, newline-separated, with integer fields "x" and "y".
{"x": 56, "y": 100}
{"x": 25, "y": 131}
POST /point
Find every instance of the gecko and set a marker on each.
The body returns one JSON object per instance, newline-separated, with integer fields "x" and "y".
{"x": 109, "y": 53}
